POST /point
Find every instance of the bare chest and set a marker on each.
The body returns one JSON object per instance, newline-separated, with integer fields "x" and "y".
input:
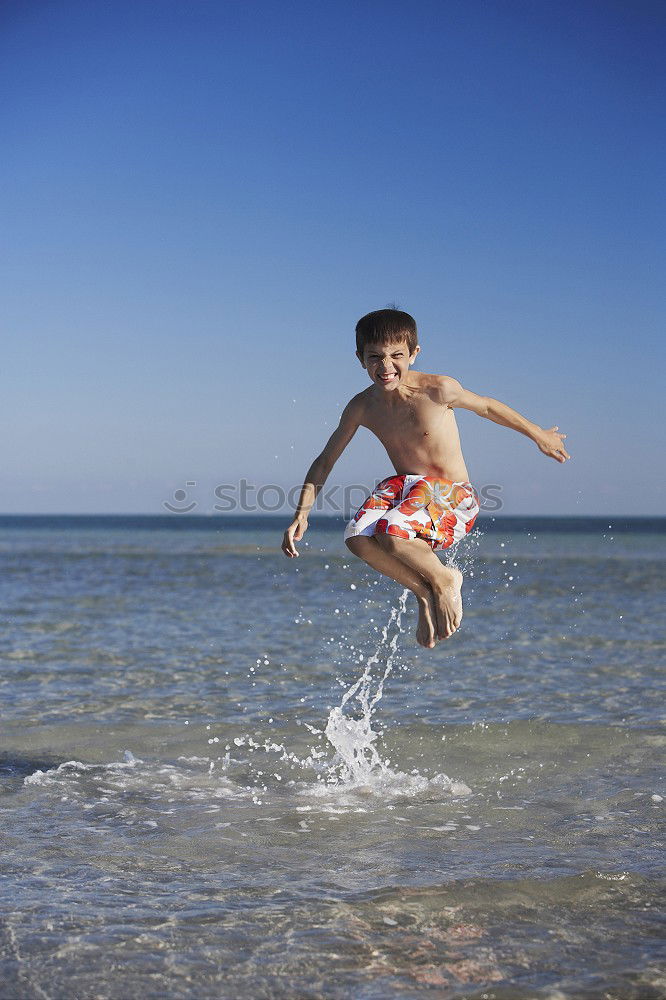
{"x": 413, "y": 419}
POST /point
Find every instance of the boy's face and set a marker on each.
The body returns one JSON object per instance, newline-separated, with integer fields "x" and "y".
{"x": 387, "y": 364}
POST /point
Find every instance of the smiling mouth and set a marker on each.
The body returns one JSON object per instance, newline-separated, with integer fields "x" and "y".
{"x": 387, "y": 378}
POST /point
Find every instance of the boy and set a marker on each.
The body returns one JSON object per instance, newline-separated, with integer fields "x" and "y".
{"x": 429, "y": 503}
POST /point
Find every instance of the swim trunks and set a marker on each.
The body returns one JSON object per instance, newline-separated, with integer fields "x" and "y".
{"x": 437, "y": 510}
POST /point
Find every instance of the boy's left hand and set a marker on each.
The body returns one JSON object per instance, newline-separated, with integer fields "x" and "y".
{"x": 550, "y": 442}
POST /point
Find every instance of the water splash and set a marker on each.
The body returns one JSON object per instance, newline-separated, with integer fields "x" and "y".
{"x": 354, "y": 738}
{"x": 357, "y": 767}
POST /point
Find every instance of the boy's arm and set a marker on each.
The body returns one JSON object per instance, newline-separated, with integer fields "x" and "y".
{"x": 549, "y": 441}
{"x": 319, "y": 471}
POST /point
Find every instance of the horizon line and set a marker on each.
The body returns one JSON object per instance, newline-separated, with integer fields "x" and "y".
{"x": 277, "y": 515}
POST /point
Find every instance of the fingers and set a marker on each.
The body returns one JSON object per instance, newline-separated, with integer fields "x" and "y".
{"x": 294, "y": 533}
{"x": 288, "y": 546}
{"x": 555, "y": 448}
{"x": 559, "y": 454}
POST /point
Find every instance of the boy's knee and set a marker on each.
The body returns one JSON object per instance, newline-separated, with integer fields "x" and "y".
{"x": 355, "y": 544}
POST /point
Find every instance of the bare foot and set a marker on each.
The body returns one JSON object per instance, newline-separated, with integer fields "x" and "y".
{"x": 426, "y": 630}
{"x": 448, "y": 601}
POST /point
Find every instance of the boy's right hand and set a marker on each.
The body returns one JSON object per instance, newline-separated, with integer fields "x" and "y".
{"x": 294, "y": 533}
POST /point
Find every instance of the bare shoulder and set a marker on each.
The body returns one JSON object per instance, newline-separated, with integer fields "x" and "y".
{"x": 442, "y": 389}
{"x": 450, "y": 389}
{"x": 356, "y": 408}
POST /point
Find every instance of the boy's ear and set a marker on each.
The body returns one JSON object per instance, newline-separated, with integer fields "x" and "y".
{"x": 360, "y": 358}
{"x": 413, "y": 357}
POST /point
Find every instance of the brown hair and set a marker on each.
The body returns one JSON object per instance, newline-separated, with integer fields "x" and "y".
{"x": 386, "y": 326}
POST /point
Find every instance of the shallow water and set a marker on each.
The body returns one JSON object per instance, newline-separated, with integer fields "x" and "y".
{"x": 177, "y": 823}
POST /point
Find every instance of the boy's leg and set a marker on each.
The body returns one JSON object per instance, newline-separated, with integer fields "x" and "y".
{"x": 367, "y": 548}
{"x": 444, "y": 581}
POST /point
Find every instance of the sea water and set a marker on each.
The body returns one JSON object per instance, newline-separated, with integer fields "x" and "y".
{"x": 227, "y": 774}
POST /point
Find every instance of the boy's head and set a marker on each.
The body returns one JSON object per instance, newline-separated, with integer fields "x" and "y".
{"x": 386, "y": 345}
{"x": 386, "y": 326}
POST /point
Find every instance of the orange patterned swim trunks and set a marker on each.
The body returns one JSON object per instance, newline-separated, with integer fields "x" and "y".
{"x": 437, "y": 510}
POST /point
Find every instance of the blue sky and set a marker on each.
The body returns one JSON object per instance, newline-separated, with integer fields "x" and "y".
{"x": 199, "y": 200}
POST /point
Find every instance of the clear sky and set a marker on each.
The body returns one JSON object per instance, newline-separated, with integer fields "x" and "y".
{"x": 199, "y": 199}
